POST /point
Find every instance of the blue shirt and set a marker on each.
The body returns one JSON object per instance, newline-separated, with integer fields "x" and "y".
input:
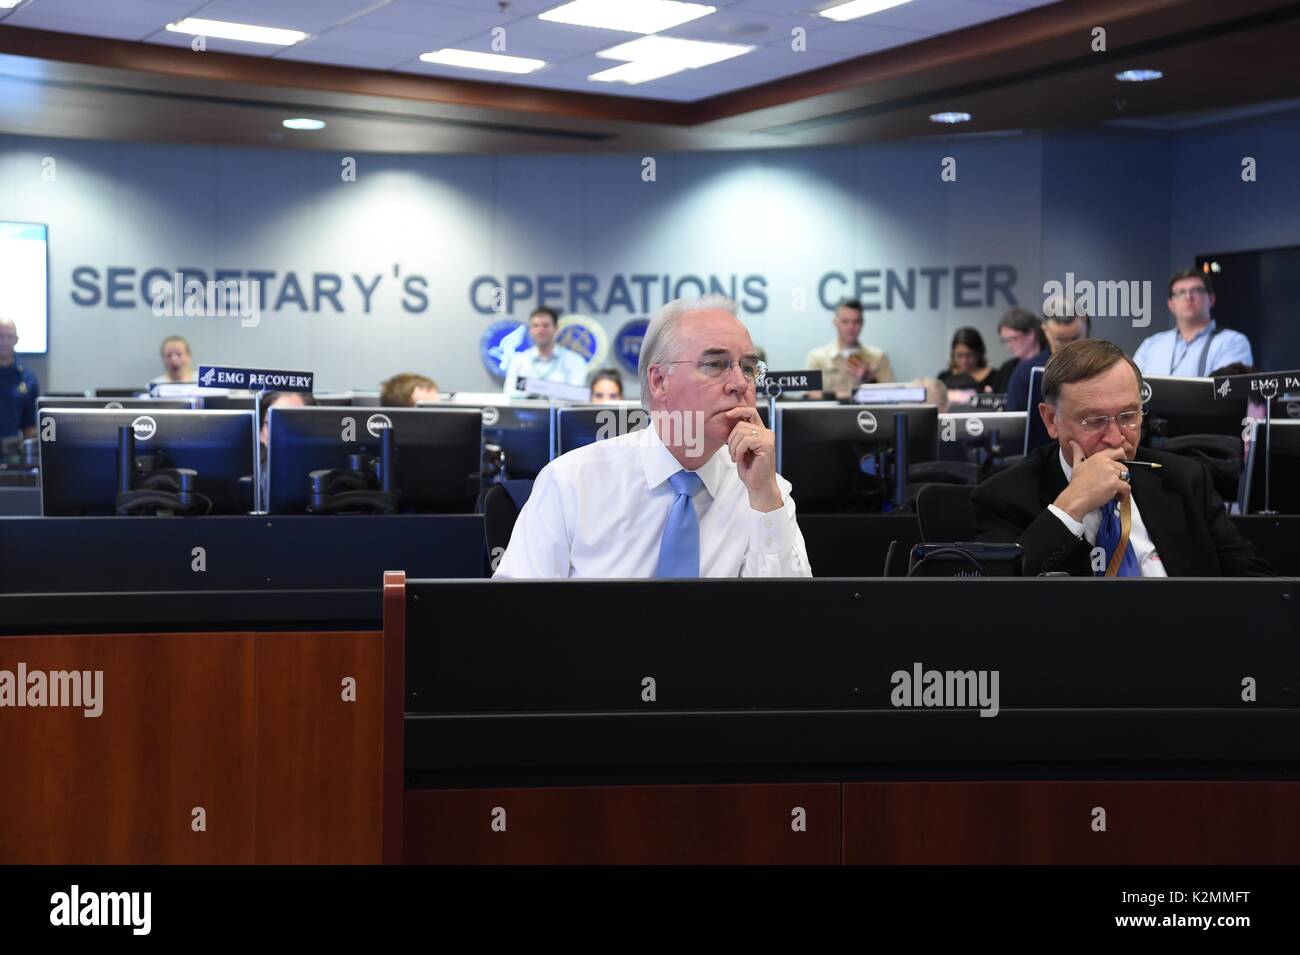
{"x": 19, "y": 390}
{"x": 1018, "y": 387}
{"x": 1166, "y": 353}
{"x": 563, "y": 366}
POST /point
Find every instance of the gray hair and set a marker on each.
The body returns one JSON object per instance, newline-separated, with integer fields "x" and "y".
{"x": 662, "y": 340}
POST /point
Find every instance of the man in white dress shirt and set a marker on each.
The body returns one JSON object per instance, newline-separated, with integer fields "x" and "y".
{"x": 546, "y": 360}
{"x": 696, "y": 494}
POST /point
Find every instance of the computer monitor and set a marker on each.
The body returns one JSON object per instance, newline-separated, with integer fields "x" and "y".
{"x": 365, "y": 399}
{"x": 1284, "y": 463}
{"x": 581, "y": 425}
{"x": 1035, "y": 430}
{"x": 842, "y": 459}
{"x": 436, "y": 456}
{"x": 977, "y": 435}
{"x": 333, "y": 401}
{"x": 172, "y": 404}
{"x": 517, "y": 439}
{"x": 79, "y": 453}
{"x": 120, "y": 392}
{"x": 1173, "y": 407}
{"x": 229, "y": 402}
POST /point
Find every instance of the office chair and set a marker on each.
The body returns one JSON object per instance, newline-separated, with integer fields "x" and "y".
{"x": 944, "y": 513}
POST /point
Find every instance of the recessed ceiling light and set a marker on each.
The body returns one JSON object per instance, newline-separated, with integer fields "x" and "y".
{"x": 473, "y": 60}
{"x": 858, "y": 8}
{"x": 630, "y": 16}
{"x": 950, "y": 117}
{"x": 683, "y": 54}
{"x": 9, "y": 4}
{"x": 1138, "y": 76}
{"x": 301, "y": 122}
{"x": 224, "y": 30}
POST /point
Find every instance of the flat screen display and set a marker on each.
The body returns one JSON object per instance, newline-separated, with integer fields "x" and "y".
{"x": 25, "y": 283}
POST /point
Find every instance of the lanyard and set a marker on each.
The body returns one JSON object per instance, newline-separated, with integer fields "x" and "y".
{"x": 1205, "y": 352}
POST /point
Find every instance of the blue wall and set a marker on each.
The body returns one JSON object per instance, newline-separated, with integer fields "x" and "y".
{"x": 1103, "y": 204}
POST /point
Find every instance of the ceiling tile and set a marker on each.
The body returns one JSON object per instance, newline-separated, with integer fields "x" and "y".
{"x": 310, "y": 16}
{"x": 146, "y": 15}
{"x": 34, "y": 20}
{"x": 436, "y": 19}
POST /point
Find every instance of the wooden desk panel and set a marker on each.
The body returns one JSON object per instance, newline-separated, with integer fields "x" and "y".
{"x": 251, "y": 727}
{"x": 1147, "y": 823}
{"x": 320, "y": 758}
{"x": 750, "y": 824}
{"x": 178, "y": 717}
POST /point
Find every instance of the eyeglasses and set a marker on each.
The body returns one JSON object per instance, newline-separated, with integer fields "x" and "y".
{"x": 1014, "y": 337}
{"x": 1189, "y": 292}
{"x": 718, "y": 368}
{"x": 1127, "y": 421}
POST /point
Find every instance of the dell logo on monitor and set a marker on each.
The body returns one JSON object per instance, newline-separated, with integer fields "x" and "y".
{"x": 491, "y": 416}
{"x": 1145, "y": 392}
{"x": 377, "y": 423}
{"x": 974, "y": 426}
{"x": 867, "y": 422}
{"x": 144, "y": 427}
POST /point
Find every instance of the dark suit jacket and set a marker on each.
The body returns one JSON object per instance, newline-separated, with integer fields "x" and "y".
{"x": 1182, "y": 513}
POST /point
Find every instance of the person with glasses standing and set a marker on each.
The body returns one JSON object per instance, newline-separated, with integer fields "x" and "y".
{"x": 694, "y": 494}
{"x": 1094, "y": 503}
{"x": 1022, "y": 334}
{"x": 1197, "y": 343}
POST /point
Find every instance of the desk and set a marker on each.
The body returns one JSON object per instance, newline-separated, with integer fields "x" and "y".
{"x": 232, "y": 703}
{"x": 770, "y": 739}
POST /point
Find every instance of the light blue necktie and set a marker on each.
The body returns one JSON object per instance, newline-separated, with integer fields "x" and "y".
{"x": 679, "y": 548}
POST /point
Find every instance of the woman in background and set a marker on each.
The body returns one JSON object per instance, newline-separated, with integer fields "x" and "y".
{"x": 968, "y": 368}
{"x": 606, "y": 385}
{"x": 178, "y": 365}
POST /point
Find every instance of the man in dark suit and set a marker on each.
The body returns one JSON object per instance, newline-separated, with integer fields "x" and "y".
{"x": 1074, "y": 506}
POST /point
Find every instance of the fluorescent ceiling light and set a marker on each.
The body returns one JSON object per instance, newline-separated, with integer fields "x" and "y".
{"x": 1138, "y": 76}
{"x": 858, "y": 8}
{"x": 237, "y": 31}
{"x": 9, "y": 4}
{"x": 304, "y": 123}
{"x": 633, "y": 73}
{"x": 664, "y": 50}
{"x": 473, "y": 60}
{"x": 950, "y": 118}
{"x": 631, "y": 16}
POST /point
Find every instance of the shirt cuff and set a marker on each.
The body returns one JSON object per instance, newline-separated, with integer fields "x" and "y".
{"x": 772, "y": 533}
{"x": 1073, "y": 526}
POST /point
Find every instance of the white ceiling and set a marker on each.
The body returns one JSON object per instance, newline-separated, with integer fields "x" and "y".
{"x": 391, "y": 34}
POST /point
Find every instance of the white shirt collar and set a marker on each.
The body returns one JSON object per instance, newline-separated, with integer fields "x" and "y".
{"x": 659, "y": 464}
{"x": 1065, "y": 465}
